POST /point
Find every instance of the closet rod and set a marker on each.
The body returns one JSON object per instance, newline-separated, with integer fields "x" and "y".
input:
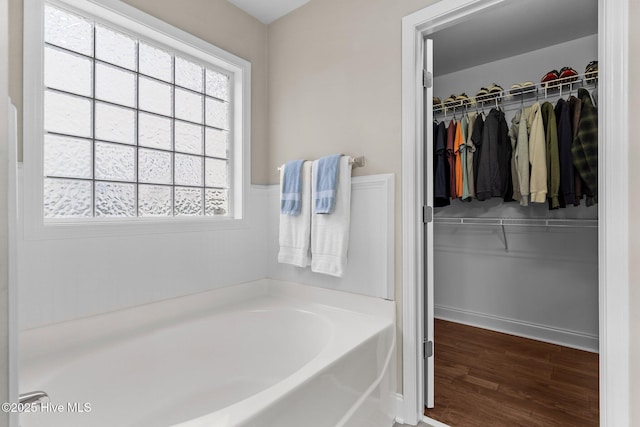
{"x": 524, "y": 222}
{"x": 554, "y": 89}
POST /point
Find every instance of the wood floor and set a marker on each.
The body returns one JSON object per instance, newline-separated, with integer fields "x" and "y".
{"x": 489, "y": 379}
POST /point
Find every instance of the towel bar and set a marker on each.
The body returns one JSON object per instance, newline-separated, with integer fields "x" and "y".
{"x": 356, "y": 162}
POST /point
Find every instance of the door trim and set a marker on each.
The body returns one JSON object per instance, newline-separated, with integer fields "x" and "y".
{"x": 613, "y": 38}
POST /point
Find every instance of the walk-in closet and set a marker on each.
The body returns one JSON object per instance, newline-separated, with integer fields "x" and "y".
{"x": 513, "y": 174}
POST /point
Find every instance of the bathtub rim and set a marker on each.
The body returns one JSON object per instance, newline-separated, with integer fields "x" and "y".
{"x": 56, "y": 342}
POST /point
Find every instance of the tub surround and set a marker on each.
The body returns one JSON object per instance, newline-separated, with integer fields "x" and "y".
{"x": 65, "y": 279}
{"x": 72, "y": 278}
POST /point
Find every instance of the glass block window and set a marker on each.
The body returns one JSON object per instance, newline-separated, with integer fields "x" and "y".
{"x": 132, "y": 129}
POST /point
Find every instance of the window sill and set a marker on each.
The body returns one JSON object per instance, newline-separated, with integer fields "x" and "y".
{"x": 121, "y": 228}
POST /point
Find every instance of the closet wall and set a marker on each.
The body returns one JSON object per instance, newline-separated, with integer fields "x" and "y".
{"x": 516, "y": 69}
{"x": 546, "y": 285}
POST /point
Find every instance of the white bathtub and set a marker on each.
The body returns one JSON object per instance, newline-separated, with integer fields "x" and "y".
{"x": 259, "y": 354}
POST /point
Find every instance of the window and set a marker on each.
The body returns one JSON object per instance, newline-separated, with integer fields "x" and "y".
{"x": 136, "y": 124}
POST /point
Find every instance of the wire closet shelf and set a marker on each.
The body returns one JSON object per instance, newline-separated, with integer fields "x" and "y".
{"x": 553, "y": 89}
{"x": 519, "y": 222}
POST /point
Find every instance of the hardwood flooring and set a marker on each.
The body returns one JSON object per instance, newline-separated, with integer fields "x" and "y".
{"x": 489, "y": 379}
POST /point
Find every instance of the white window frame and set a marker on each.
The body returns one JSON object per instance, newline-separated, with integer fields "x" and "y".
{"x": 134, "y": 21}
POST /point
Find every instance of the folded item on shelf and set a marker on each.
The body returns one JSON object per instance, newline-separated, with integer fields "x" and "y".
{"x": 463, "y": 99}
{"x": 591, "y": 71}
{"x": 523, "y": 87}
{"x": 482, "y": 92}
{"x": 495, "y": 88}
{"x": 549, "y": 79}
{"x": 568, "y": 75}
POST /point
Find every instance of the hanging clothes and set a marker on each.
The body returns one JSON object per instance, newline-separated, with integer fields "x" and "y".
{"x": 567, "y": 179}
{"x": 489, "y": 181}
{"x": 520, "y": 164}
{"x": 451, "y": 136}
{"x": 513, "y": 136}
{"x": 476, "y": 138}
{"x": 440, "y": 171}
{"x": 553, "y": 158}
{"x": 471, "y": 149}
{"x": 458, "y": 142}
{"x": 575, "y": 108}
{"x": 537, "y": 154}
{"x": 505, "y": 153}
{"x": 585, "y": 146}
{"x": 464, "y": 124}
{"x": 547, "y": 154}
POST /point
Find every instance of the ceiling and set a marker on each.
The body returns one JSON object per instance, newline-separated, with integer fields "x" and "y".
{"x": 529, "y": 24}
{"x": 268, "y": 11}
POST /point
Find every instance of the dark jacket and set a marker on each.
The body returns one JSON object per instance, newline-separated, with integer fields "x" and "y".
{"x": 505, "y": 152}
{"x": 440, "y": 170}
{"x": 575, "y": 108}
{"x": 585, "y": 146}
{"x": 553, "y": 158}
{"x": 489, "y": 182}
{"x": 476, "y": 137}
{"x": 567, "y": 179}
{"x": 451, "y": 157}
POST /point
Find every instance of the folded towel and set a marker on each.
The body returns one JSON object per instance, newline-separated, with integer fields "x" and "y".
{"x": 325, "y": 172}
{"x": 291, "y": 188}
{"x": 295, "y": 231}
{"x": 330, "y": 233}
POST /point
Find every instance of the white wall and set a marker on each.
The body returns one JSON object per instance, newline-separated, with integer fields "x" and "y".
{"x": 546, "y": 285}
{"x": 65, "y": 279}
{"x": 370, "y": 268}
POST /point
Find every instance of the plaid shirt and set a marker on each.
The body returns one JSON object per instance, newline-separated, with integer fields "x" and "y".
{"x": 584, "y": 149}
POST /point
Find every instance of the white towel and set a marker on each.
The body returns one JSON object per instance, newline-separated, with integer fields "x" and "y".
{"x": 330, "y": 232}
{"x": 295, "y": 231}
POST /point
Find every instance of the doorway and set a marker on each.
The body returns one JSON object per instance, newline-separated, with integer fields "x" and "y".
{"x": 612, "y": 208}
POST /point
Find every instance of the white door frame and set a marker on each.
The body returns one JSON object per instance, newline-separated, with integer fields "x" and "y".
{"x": 613, "y": 240}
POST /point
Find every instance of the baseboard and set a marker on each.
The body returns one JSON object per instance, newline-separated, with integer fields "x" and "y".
{"x": 425, "y": 420}
{"x": 520, "y": 328}
{"x": 430, "y": 422}
{"x": 399, "y": 407}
